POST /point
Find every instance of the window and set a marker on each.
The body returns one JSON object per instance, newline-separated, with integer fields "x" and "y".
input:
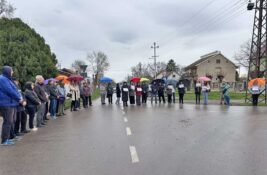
{"x": 218, "y": 61}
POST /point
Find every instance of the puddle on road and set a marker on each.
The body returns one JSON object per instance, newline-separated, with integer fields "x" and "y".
{"x": 186, "y": 122}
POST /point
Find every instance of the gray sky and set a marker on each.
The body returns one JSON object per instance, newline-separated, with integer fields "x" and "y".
{"x": 125, "y": 29}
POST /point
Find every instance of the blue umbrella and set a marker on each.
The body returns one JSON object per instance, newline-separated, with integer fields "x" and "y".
{"x": 105, "y": 80}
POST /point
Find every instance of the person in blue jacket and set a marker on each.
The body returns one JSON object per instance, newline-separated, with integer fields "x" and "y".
{"x": 10, "y": 99}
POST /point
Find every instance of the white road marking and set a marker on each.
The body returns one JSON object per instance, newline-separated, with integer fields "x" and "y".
{"x": 128, "y": 131}
{"x": 123, "y": 112}
{"x": 134, "y": 155}
{"x": 125, "y": 119}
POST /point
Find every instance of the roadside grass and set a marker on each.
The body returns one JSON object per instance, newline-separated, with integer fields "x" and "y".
{"x": 215, "y": 95}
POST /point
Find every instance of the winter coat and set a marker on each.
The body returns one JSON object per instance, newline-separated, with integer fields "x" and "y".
{"x": 144, "y": 89}
{"x": 138, "y": 90}
{"x": 170, "y": 89}
{"x": 109, "y": 90}
{"x": 20, "y": 107}
{"x": 154, "y": 89}
{"x": 181, "y": 89}
{"x": 53, "y": 92}
{"x": 78, "y": 93}
{"x": 226, "y": 88}
{"x": 39, "y": 89}
{"x": 30, "y": 96}
{"x": 161, "y": 89}
{"x": 73, "y": 92}
{"x": 125, "y": 93}
{"x": 118, "y": 92}
{"x": 206, "y": 88}
{"x": 87, "y": 91}
{"x": 9, "y": 94}
{"x": 132, "y": 90}
{"x": 102, "y": 89}
{"x": 61, "y": 91}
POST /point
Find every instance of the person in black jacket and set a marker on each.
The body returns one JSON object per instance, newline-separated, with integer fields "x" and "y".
{"x": 144, "y": 92}
{"x": 125, "y": 94}
{"x": 181, "y": 91}
{"x": 40, "y": 91}
{"x": 32, "y": 102}
{"x": 161, "y": 89}
{"x": 198, "y": 90}
{"x": 53, "y": 98}
{"x": 118, "y": 93}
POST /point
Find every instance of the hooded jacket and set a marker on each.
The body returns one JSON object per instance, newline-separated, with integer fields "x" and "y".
{"x": 31, "y": 97}
{"x": 39, "y": 89}
{"x": 9, "y": 95}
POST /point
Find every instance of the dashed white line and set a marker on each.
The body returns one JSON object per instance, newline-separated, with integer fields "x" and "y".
{"x": 125, "y": 119}
{"x": 128, "y": 131}
{"x": 134, "y": 155}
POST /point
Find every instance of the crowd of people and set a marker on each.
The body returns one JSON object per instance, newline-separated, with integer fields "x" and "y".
{"x": 137, "y": 93}
{"x": 19, "y": 107}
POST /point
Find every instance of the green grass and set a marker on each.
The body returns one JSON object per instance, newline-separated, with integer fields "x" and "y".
{"x": 215, "y": 95}
{"x": 95, "y": 95}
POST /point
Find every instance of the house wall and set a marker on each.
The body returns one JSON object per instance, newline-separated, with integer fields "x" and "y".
{"x": 211, "y": 67}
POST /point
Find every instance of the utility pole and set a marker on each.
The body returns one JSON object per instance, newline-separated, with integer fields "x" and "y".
{"x": 258, "y": 52}
{"x": 155, "y": 47}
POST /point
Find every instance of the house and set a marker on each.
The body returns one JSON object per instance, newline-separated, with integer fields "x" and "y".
{"x": 167, "y": 75}
{"x": 213, "y": 65}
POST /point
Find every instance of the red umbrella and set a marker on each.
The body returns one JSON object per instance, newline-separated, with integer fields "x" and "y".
{"x": 135, "y": 79}
{"x": 75, "y": 78}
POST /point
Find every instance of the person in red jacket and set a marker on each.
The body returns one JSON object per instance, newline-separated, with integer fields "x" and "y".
{"x": 138, "y": 92}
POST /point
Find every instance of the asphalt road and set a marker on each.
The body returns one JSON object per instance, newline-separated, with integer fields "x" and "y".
{"x": 146, "y": 140}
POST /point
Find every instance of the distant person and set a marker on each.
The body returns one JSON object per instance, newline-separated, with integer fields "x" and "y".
{"x": 87, "y": 92}
{"x": 10, "y": 99}
{"x": 205, "y": 91}
{"x": 110, "y": 93}
{"x": 225, "y": 92}
{"x": 255, "y": 91}
{"x": 144, "y": 92}
{"x": 125, "y": 94}
{"x": 53, "y": 97}
{"x": 132, "y": 94}
{"x": 161, "y": 90}
{"x": 154, "y": 92}
{"x": 138, "y": 92}
{"x": 103, "y": 93}
{"x": 181, "y": 91}
{"x": 73, "y": 94}
{"x": 33, "y": 102}
{"x": 118, "y": 93}
{"x": 170, "y": 92}
{"x": 62, "y": 97}
{"x": 198, "y": 91}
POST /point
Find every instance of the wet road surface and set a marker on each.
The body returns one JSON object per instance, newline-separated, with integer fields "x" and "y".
{"x": 146, "y": 140}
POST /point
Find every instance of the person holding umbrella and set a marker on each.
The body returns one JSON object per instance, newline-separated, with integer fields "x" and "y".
{"x": 205, "y": 91}
{"x": 154, "y": 91}
{"x": 118, "y": 93}
{"x": 255, "y": 91}
{"x": 125, "y": 94}
{"x": 132, "y": 94}
{"x": 198, "y": 92}
{"x": 138, "y": 92}
{"x": 109, "y": 93}
{"x": 161, "y": 90}
{"x": 73, "y": 95}
{"x": 181, "y": 91}
{"x": 144, "y": 92}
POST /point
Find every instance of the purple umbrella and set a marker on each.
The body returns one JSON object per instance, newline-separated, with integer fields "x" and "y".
{"x": 50, "y": 79}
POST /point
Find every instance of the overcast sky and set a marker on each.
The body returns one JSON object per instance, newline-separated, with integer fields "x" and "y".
{"x": 126, "y": 29}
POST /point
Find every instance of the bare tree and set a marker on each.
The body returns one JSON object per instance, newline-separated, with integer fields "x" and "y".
{"x": 242, "y": 56}
{"x": 76, "y": 65}
{"x": 99, "y": 64}
{"x": 141, "y": 70}
{"x": 6, "y": 10}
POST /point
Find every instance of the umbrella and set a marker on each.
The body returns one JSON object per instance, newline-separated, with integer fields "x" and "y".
{"x": 105, "y": 80}
{"x": 75, "y": 78}
{"x": 144, "y": 79}
{"x": 259, "y": 81}
{"x": 63, "y": 78}
{"x": 203, "y": 79}
{"x": 158, "y": 81}
{"x": 172, "y": 81}
{"x": 135, "y": 79}
{"x": 50, "y": 79}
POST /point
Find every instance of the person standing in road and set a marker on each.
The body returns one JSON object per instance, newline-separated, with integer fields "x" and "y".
{"x": 10, "y": 99}
{"x": 144, "y": 92}
{"x": 40, "y": 91}
{"x": 54, "y": 96}
{"x": 225, "y": 92}
{"x": 87, "y": 95}
{"x": 161, "y": 90}
{"x": 32, "y": 103}
{"x": 154, "y": 92}
{"x": 62, "y": 97}
{"x": 90, "y": 93}
{"x": 125, "y": 94}
{"x": 255, "y": 91}
{"x": 110, "y": 93}
{"x": 132, "y": 94}
{"x": 181, "y": 91}
{"x": 138, "y": 92}
{"x": 169, "y": 92}
{"x": 118, "y": 93}
{"x": 198, "y": 91}
{"x": 73, "y": 94}
{"x": 103, "y": 93}
{"x": 205, "y": 91}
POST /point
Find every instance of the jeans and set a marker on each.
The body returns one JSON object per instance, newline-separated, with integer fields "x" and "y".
{"x": 53, "y": 108}
{"x": 227, "y": 99}
{"x": 154, "y": 96}
{"x": 31, "y": 111}
{"x": 173, "y": 97}
{"x": 8, "y": 114}
{"x": 205, "y": 95}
